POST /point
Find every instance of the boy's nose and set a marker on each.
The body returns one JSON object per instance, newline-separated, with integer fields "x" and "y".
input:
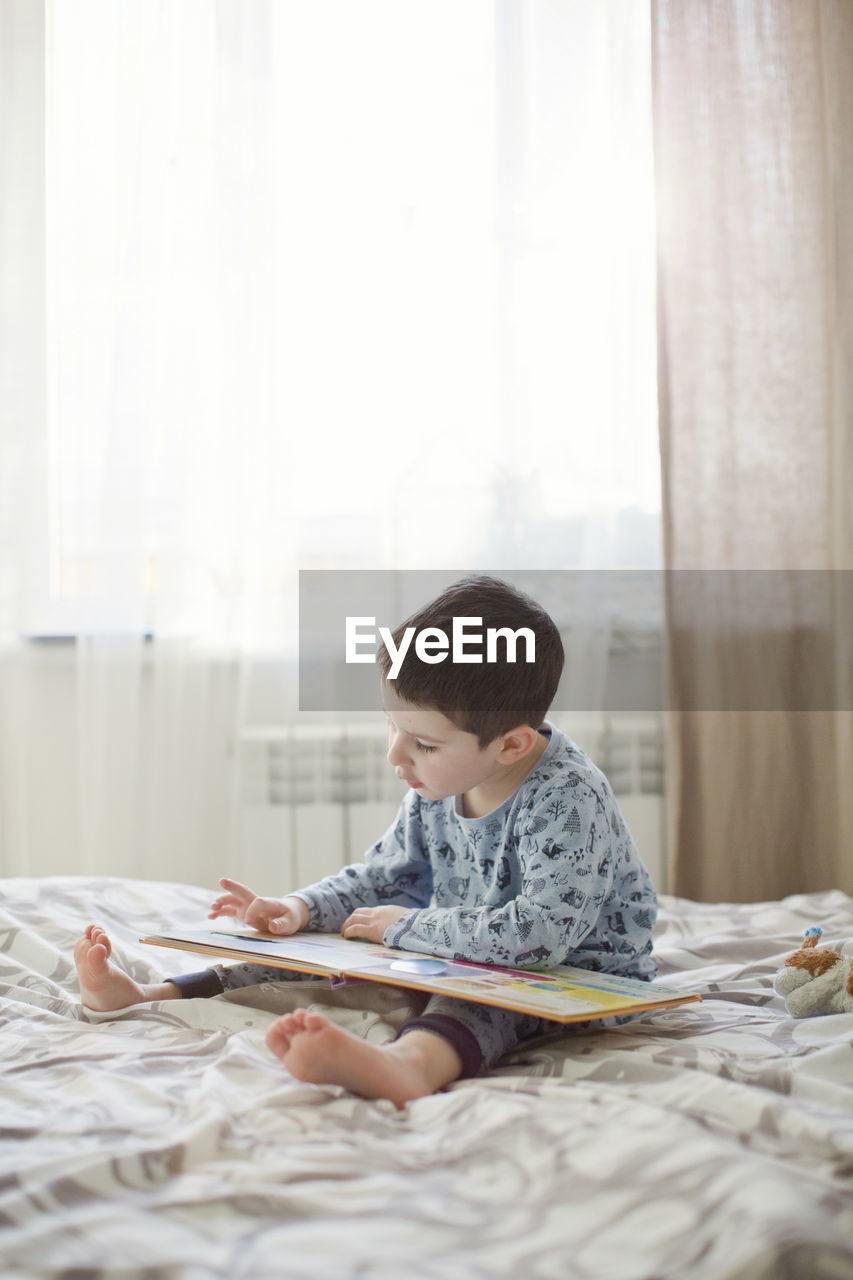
{"x": 396, "y": 755}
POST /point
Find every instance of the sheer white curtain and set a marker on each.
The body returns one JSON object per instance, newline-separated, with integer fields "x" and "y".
{"x": 293, "y": 285}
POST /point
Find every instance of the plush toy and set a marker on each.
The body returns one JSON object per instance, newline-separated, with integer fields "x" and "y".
{"x": 816, "y": 981}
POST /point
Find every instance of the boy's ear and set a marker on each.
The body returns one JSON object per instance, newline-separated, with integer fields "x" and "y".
{"x": 516, "y": 743}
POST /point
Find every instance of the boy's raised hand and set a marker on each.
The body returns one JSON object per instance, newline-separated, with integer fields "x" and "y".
{"x": 271, "y": 915}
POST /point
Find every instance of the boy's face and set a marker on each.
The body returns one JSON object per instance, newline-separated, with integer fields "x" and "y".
{"x": 431, "y": 754}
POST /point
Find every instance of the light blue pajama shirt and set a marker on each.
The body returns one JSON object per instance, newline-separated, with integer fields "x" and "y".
{"x": 550, "y": 877}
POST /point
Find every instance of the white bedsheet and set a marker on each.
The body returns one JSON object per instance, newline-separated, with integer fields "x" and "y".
{"x": 706, "y": 1142}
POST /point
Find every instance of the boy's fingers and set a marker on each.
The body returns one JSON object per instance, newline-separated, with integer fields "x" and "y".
{"x": 360, "y": 913}
{"x": 240, "y": 891}
{"x": 282, "y": 924}
{"x": 226, "y": 900}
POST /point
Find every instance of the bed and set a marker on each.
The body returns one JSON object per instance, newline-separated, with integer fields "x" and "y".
{"x": 709, "y": 1140}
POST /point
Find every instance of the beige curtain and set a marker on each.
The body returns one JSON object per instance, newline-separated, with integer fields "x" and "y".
{"x": 754, "y": 160}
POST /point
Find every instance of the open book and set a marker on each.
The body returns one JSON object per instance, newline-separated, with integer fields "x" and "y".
{"x": 563, "y": 994}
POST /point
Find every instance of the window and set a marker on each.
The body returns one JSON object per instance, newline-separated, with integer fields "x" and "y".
{"x": 337, "y": 285}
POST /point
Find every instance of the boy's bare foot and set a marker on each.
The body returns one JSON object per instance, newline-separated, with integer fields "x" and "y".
{"x": 316, "y": 1050}
{"x": 103, "y": 986}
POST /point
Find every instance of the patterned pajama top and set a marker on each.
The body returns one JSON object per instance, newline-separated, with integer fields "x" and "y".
{"x": 550, "y": 877}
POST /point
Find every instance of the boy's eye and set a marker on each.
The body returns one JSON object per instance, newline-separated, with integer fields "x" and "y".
{"x": 422, "y": 746}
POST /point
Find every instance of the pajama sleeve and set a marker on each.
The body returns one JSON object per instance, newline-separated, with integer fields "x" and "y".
{"x": 563, "y": 849}
{"x": 395, "y": 871}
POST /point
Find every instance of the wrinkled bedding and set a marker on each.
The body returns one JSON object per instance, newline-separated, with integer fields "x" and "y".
{"x": 713, "y": 1140}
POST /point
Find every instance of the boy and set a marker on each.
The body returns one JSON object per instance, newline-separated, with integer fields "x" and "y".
{"x": 509, "y": 848}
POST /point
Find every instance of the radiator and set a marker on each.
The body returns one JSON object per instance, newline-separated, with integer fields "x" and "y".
{"x": 313, "y": 798}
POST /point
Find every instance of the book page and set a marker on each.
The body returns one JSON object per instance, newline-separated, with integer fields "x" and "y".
{"x": 564, "y": 994}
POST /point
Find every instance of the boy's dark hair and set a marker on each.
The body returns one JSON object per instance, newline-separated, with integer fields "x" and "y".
{"x": 485, "y": 698}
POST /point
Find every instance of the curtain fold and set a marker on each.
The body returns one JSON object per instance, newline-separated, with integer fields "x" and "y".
{"x": 753, "y": 107}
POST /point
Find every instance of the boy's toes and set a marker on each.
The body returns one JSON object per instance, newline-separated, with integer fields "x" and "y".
{"x": 82, "y": 947}
{"x": 278, "y": 1037}
{"x": 90, "y": 957}
{"x": 101, "y": 937}
{"x": 96, "y": 934}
